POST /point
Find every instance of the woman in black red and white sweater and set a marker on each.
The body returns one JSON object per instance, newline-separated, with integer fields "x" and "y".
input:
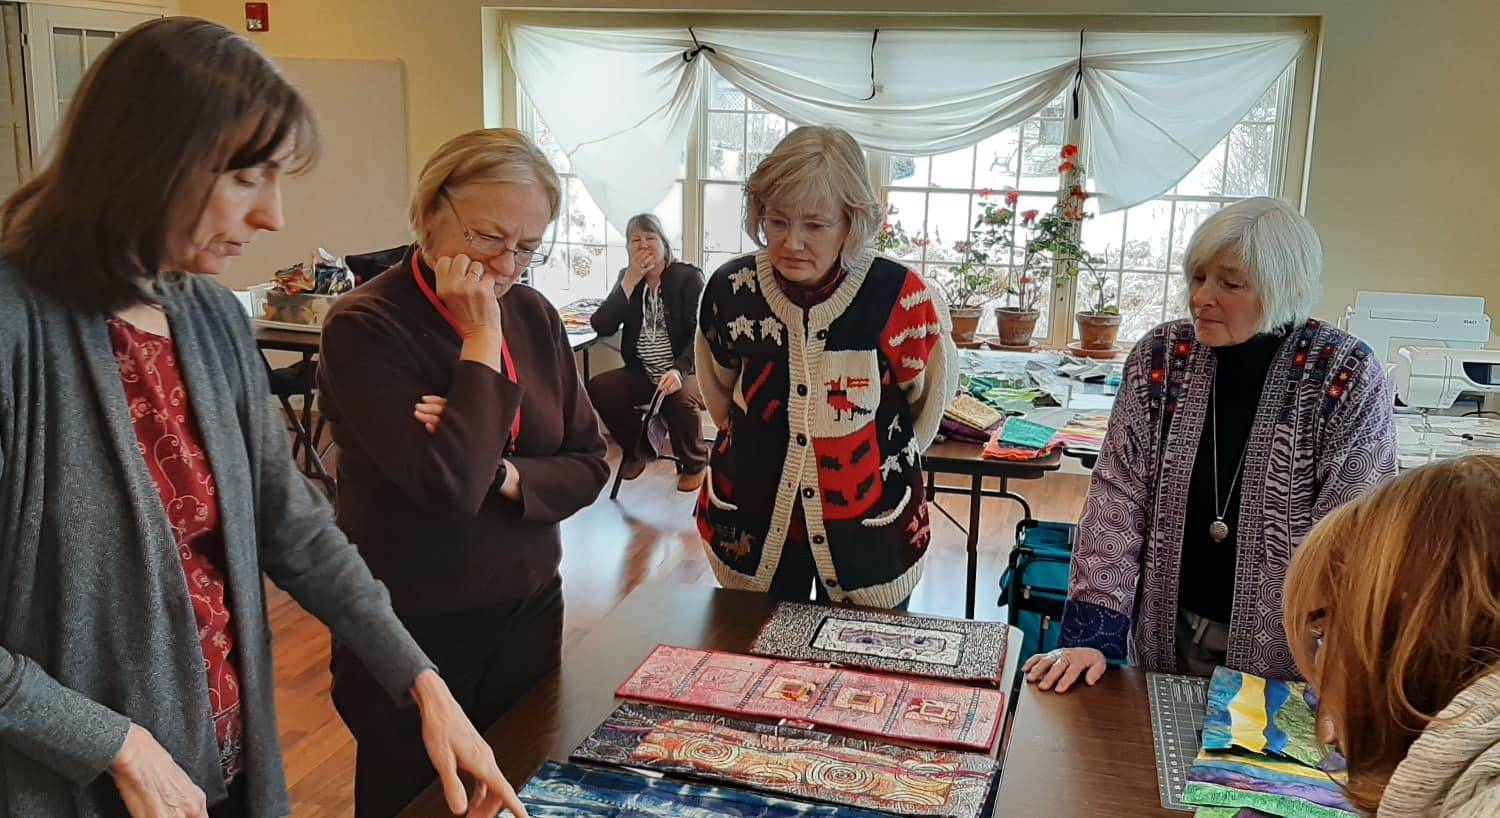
{"x": 827, "y": 369}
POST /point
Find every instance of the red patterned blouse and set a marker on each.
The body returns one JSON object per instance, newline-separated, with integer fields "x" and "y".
{"x": 167, "y": 436}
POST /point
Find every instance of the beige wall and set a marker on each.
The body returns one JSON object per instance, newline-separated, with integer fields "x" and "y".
{"x": 1403, "y": 181}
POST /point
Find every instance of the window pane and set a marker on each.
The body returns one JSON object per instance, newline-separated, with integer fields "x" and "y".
{"x": 948, "y": 222}
{"x": 67, "y": 55}
{"x": 1104, "y": 235}
{"x": 544, "y": 139}
{"x": 1041, "y": 146}
{"x": 1177, "y": 297}
{"x": 909, "y": 171}
{"x": 723, "y": 222}
{"x": 95, "y": 42}
{"x": 1147, "y": 229}
{"x": 998, "y": 163}
{"x": 1142, "y": 296}
{"x": 713, "y": 261}
{"x": 910, "y": 212}
{"x": 584, "y": 221}
{"x": 1207, "y": 179}
{"x": 1264, "y": 110}
{"x": 726, "y": 146}
{"x": 1251, "y": 150}
{"x": 954, "y": 169}
{"x": 724, "y": 96}
{"x": 1189, "y": 215}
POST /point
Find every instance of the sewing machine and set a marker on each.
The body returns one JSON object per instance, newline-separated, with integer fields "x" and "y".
{"x": 1433, "y": 377}
{"x": 1390, "y": 321}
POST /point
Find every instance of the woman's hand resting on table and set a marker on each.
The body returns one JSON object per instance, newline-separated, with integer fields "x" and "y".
{"x": 1057, "y": 670}
{"x": 454, "y": 745}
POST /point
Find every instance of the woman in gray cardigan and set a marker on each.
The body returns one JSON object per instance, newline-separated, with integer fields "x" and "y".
{"x": 145, "y": 483}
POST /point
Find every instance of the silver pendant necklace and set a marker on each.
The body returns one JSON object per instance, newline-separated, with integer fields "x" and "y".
{"x": 1218, "y": 529}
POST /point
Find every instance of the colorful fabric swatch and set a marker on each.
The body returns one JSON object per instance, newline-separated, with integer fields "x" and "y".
{"x": 996, "y": 450}
{"x": 569, "y": 790}
{"x": 1284, "y": 788}
{"x": 923, "y": 646}
{"x": 936, "y": 713}
{"x": 1024, "y": 433}
{"x": 1261, "y": 716}
{"x": 793, "y": 762}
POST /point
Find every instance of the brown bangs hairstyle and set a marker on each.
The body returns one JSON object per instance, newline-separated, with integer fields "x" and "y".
{"x": 168, "y": 107}
{"x": 1392, "y": 608}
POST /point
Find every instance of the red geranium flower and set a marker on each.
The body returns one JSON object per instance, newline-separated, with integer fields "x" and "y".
{"x": 1030, "y": 215}
{"x": 1066, "y": 167}
{"x": 986, "y": 193}
{"x": 1069, "y": 151}
{"x": 1011, "y": 197}
{"x": 1080, "y": 194}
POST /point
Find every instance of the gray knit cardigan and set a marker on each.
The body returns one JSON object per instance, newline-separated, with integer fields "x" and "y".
{"x": 96, "y": 628}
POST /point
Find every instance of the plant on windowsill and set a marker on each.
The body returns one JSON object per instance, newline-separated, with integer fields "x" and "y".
{"x": 1039, "y": 248}
{"x": 1099, "y": 324}
{"x": 966, "y": 286}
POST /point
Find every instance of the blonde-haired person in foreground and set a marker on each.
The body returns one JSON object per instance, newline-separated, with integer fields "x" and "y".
{"x": 465, "y": 438}
{"x": 827, "y": 369}
{"x": 1233, "y": 433}
{"x": 1393, "y": 615}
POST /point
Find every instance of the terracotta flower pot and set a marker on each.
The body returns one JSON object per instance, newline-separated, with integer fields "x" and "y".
{"x": 1016, "y": 325}
{"x": 1098, "y": 330}
{"x": 965, "y": 321}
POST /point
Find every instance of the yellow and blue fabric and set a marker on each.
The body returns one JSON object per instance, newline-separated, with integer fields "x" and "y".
{"x": 1260, "y": 753}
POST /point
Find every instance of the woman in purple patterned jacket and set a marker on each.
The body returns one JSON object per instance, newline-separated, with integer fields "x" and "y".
{"x": 1233, "y": 433}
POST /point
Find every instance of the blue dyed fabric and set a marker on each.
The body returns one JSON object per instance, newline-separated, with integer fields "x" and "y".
{"x": 571, "y": 790}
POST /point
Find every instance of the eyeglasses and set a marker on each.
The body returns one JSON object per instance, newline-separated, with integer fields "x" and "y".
{"x": 490, "y": 246}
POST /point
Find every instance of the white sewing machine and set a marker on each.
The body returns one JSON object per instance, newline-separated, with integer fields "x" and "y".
{"x": 1434, "y": 377}
{"x": 1431, "y": 345}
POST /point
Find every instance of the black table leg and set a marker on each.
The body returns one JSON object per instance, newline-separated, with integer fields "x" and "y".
{"x": 975, "y": 495}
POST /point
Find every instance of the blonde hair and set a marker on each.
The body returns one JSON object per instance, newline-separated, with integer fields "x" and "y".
{"x": 1280, "y": 250}
{"x": 1403, "y": 585}
{"x": 815, "y": 164}
{"x": 485, "y": 156}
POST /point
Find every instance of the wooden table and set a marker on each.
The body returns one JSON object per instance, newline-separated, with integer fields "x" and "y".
{"x": 967, "y": 459}
{"x": 1083, "y": 754}
{"x": 1087, "y": 752}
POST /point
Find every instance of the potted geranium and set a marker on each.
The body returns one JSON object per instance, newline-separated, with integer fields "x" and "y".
{"x": 1044, "y": 242}
{"x": 1099, "y": 324}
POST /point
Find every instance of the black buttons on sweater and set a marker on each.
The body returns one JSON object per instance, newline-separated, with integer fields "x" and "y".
{"x": 802, "y": 389}
{"x": 801, "y": 440}
{"x": 822, "y": 335}
{"x": 817, "y": 539}
{"x": 808, "y": 493}
{"x": 830, "y": 583}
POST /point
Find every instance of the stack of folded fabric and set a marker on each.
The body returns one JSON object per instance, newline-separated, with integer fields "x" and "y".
{"x": 1021, "y": 439}
{"x": 1260, "y": 754}
{"x": 1005, "y": 394}
{"x": 1085, "y": 432}
{"x": 969, "y": 419}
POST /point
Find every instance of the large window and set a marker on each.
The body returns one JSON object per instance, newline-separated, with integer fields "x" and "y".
{"x": 936, "y": 200}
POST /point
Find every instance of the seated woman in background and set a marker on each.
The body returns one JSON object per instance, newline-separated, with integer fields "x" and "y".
{"x": 1233, "y": 433}
{"x": 827, "y": 369}
{"x": 1393, "y": 615}
{"x": 656, "y": 301}
{"x": 465, "y": 439}
{"x": 145, "y": 478}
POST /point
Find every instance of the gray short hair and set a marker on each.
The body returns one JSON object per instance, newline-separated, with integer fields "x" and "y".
{"x": 648, "y": 223}
{"x": 815, "y": 163}
{"x": 1279, "y": 249}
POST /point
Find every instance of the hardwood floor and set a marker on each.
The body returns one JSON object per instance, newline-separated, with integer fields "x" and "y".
{"x": 609, "y": 549}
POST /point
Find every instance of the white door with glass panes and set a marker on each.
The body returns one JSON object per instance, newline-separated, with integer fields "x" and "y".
{"x": 61, "y": 43}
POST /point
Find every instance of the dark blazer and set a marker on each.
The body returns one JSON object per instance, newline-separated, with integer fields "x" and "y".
{"x": 681, "y": 285}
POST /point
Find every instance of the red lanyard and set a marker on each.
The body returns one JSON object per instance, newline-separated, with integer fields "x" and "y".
{"x": 437, "y": 303}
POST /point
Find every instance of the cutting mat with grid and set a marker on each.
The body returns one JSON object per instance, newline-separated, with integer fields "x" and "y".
{"x": 1178, "y": 704}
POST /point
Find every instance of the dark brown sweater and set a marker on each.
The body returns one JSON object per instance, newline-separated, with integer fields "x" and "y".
{"x": 424, "y": 509}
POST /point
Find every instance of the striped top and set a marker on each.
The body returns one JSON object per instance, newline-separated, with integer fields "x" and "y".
{"x": 654, "y": 345}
